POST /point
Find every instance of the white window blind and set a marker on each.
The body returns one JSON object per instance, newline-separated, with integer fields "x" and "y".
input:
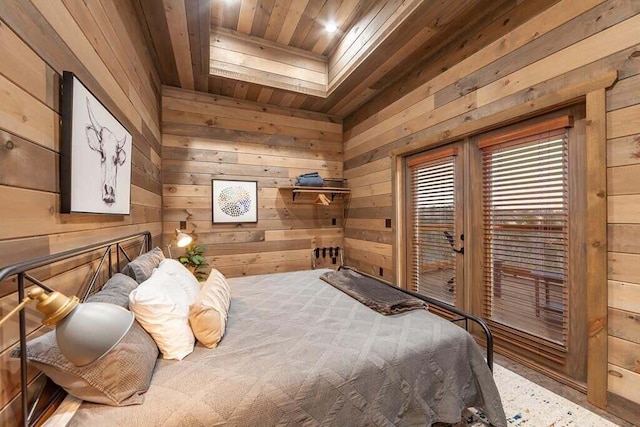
{"x": 525, "y": 213}
{"x": 432, "y": 224}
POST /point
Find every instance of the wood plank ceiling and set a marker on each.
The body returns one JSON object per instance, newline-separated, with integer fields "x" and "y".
{"x": 279, "y": 51}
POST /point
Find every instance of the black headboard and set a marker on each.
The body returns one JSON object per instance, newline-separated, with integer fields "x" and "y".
{"x": 31, "y": 404}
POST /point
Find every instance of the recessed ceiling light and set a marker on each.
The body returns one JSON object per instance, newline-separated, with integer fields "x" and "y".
{"x": 331, "y": 27}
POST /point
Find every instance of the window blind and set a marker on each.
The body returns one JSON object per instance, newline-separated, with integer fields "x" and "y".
{"x": 432, "y": 220}
{"x": 525, "y": 214}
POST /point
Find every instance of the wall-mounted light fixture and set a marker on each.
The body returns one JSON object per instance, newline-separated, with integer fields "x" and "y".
{"x": 182, "y": 240}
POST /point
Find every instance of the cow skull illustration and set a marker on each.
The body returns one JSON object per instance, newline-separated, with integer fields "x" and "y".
{"x": 112, "y": 153}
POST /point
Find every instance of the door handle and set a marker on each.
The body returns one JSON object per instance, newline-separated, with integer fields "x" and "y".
{"x": 449, "y": 238}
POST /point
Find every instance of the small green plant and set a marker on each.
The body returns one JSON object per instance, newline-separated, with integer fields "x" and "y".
{"x": 194, "y": 260}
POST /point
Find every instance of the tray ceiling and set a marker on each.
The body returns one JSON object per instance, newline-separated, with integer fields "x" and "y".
{"x": 280, "y": 52}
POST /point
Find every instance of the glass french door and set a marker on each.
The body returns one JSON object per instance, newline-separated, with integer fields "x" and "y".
{"x": 435, "y": 224}
{"x": 493, "y": 226}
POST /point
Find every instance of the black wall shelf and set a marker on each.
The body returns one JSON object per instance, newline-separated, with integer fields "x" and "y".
{"x": 333, "y": 191}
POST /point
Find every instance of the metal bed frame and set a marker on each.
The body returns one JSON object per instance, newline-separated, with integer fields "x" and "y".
{"x": 443, "y": 306}
{"x": 29, "y": 415}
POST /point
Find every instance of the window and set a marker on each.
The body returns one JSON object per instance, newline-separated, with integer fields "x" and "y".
{"x": 432, "y": 189}
{"x": 525, "y": 221}
{"x": 496, "y": 225}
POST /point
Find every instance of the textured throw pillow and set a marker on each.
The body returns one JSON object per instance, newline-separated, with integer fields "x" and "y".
{"x": 119, "y": 378}
{"x": 115, "y": 291}
{"x": 182, "y": 276}
{"x": 140, "y": 269}
{"x": 208, "y": 315}
{"x": 162, "y": 308}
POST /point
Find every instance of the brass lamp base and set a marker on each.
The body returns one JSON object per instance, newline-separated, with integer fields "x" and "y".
{"x": 55, "y": 306}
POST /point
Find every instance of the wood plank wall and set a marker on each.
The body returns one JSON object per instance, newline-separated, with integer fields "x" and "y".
{"x": 208, "y": 136}
{"x": 101, "y": 42}
{"x": 567, "y": 43}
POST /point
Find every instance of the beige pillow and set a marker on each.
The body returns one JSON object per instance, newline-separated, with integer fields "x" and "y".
{"x": 208, "y": 315}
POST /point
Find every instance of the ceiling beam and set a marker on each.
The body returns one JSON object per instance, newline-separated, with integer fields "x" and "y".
{"x": 176, "y": 16}
{"x": 252, "y": 59}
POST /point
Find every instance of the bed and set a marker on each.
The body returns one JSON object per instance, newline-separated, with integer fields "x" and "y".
{"x": 299, "y": 352}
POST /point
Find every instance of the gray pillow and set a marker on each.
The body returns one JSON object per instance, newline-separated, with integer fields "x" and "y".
{"x": 141, "y": 268}
{"x": 115, "y": 291}
{"x": 119, "y": 378}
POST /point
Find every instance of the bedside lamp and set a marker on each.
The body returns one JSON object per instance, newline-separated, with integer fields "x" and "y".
{"x": 85, "y": 332}
{"x": 182, "y": 240}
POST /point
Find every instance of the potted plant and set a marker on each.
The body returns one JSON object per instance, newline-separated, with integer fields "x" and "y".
{"x": 195, "y": 261}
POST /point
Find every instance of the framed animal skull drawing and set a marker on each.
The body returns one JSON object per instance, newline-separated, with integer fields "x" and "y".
{"x": 95, "y": 154}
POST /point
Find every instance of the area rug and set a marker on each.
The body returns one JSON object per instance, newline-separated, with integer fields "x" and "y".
{"x": 527, "y": 404}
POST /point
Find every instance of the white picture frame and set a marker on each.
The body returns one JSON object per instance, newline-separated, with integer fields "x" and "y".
{"x": 234, "y": 201}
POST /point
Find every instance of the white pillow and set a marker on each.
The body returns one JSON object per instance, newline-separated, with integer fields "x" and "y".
{"x": 182, "y": 276}
{"x": 161, "y": 306}
{"x": 208, "y": 315}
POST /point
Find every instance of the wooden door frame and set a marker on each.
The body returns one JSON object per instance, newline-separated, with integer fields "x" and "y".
{"x": 593, "y": 93}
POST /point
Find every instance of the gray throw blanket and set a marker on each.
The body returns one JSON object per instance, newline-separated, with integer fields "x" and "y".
{"x": 311, "y": 179}
{"x": 376, "y": 295}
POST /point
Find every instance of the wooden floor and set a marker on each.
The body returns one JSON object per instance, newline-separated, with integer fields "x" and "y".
{"x": 558, "y": 388}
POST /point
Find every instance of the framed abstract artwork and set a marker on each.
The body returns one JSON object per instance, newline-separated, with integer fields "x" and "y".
{"x": 234, "y": 201}
{"x": 95, "y": 154}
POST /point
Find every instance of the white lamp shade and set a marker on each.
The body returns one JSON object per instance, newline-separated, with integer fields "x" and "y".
{"x": 183, "y": 239}
{"x": 91, "y": 330}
